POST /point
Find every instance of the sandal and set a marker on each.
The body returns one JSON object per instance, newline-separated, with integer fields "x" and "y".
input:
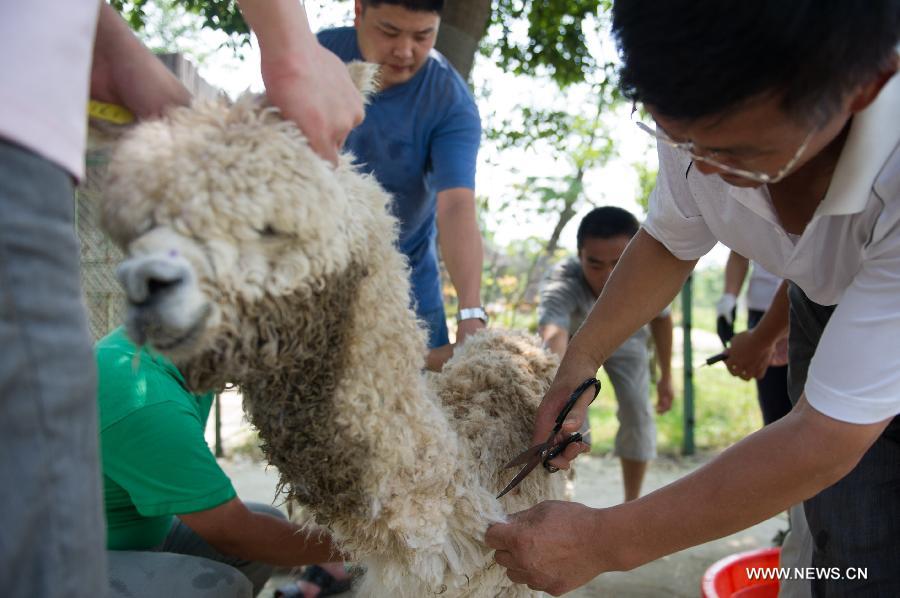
{"x": 314, "y": 574}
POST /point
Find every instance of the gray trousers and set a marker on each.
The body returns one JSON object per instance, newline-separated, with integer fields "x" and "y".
{"x": 628, "y": 372}
{"x": 52, "y": 539}
{"x": 854, "y": 523}
{"x": 185, "y": 566}
{"x": 796, "y": 551}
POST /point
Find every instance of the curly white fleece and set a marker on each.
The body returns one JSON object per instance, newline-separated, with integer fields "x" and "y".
{"x": 312, "y": 319}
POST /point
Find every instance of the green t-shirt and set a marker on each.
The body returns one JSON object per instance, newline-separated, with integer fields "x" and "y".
{"x": 156, "y": 462}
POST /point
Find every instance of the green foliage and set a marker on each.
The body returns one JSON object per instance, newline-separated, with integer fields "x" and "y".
{"x": 566, "y": 132}
{"x": 556, "y": 42}
{"x": 168, "y": 28}
{"x": 646, "y": 183}
{"x": 725, "y": 410}
{"x": 577, "y": 136}
{"x": 218, "y": 15}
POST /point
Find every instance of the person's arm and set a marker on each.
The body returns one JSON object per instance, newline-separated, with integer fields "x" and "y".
{"x": 309, "y": 84}
{"x": 735, "y": 272}
{"x": 644, "y": 282}
{"x": 233, "y": 529}
{"x": 437, "y": 357}
{"x": 750, "y": 353}
{"x": 555, "y": 338}
{"x": 180, "y": 475}
{"x": 125, "y": 72}
{"x": 558, "y": 301}
{"x": 661, "y": 329}
{"x": 559, "y": 546}
{"x": 461, "y": 250}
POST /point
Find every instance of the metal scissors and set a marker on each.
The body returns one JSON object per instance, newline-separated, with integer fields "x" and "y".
{"x": 547, "y": 450}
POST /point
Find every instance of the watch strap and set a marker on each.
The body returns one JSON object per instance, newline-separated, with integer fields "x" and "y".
{"x": 472, "y": 313}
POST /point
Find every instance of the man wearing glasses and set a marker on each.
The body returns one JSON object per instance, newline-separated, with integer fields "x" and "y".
{"x": 778, "y": 127}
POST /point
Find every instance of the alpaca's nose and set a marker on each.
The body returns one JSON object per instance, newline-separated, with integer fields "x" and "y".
{"x": 147, "y": 278}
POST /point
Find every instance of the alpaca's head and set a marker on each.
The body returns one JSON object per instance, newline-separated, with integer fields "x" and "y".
{"x": 231, "y": 223}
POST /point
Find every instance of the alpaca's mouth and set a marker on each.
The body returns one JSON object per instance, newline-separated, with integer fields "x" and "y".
{"x": 192, "y": 334}
{"x": 148, "y": 327}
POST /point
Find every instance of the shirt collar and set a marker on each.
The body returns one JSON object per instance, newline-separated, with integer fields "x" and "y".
{"x": 873, "y": 135}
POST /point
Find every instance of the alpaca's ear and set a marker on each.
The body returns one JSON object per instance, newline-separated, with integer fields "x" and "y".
{"x": 365, "y": 76}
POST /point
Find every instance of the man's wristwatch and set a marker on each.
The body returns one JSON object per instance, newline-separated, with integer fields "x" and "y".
{"x": 472, "y": 313}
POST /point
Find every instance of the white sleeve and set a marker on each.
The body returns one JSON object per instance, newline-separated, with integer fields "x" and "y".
{"x": 855, "y": 373}
{"x": 674, "y": 219}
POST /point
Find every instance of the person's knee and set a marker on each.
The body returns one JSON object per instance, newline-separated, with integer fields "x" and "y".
{"x": 640, "y": 451}
{"x": 635, "y": 413}
{"x": 636, "y": 439}
{"x": 135, "y": 574}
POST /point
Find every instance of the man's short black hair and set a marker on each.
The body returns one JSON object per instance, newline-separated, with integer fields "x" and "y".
{"x": 697, "y": 58}
{"x": 417, "y": 5}
{"x": 605, "y": 223}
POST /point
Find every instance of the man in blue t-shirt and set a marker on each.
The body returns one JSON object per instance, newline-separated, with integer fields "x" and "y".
{"x": 420, "y": 139}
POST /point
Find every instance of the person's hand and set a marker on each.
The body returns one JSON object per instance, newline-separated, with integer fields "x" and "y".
{"x": 726, "y": 309}
{"x": 125, "y": 73}
{"x": 780, "y": 354}
{"x": 551, "y": 547}
{"x": 748, "y": 358}
{"x": 316, "y": 92}
{"x": 144, "y": 86}
{"x": 467, "y": 327}
{"x": 665, "y": 394}
{"x": 563, "y": 385}
{"x": 437, "y": 357}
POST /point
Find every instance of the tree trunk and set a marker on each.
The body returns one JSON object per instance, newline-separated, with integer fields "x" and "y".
{"x": 564, "y": 217}
{"x": 539, "y": 264}
{"x": 463, "y": 24}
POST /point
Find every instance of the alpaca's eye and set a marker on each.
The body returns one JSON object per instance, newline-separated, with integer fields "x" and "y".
{"x": 268, "y": 231}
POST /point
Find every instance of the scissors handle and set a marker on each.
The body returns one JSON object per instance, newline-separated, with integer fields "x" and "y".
{"x": 555, "y": 451}
{"x": 717, "y": 358}
{"x": 573, "y": 398}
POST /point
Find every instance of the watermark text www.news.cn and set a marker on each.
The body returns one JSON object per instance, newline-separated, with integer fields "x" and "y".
{"x": 808, "y": 573}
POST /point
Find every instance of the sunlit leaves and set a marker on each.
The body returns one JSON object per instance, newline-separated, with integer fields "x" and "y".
{"x": 556, "y": 39}
{"x": 218, "y": 15}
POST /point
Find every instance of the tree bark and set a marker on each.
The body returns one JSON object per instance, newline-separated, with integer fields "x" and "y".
{"x": 463, "y": 24}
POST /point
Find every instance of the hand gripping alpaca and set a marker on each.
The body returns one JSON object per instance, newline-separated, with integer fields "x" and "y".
{"x": 547, "y": 450}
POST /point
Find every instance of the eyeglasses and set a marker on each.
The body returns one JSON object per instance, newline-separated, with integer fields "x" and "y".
{"x": 711, "y": 157}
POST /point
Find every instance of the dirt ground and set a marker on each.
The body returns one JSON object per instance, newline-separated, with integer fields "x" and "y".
{"x": 598, "y": 484}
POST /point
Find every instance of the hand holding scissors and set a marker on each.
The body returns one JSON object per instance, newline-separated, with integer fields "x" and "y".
{"x": 548, "y": 450}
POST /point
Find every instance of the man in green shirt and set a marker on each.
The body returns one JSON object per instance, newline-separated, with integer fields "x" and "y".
{"x": 175, "y": 525}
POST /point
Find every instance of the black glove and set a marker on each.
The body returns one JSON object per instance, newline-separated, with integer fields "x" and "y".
{"x": 725, "y": 329}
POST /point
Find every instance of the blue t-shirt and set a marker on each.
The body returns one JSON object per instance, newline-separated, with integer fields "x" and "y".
{"x": 418, "y": 138}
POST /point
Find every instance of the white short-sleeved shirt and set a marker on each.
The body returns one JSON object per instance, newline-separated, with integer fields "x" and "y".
{"x": 761, "y": 288}
{"x": 47, "y": 48}
{"x": 849, "y": 254}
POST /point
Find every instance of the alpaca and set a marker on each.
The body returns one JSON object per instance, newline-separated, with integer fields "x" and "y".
{"x": 252, "y": 261}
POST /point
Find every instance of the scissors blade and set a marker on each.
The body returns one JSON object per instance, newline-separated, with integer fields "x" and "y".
{"x": 534, "y": 451}
{"x": 536, "y": 458}
{"x": 526, "y": 455}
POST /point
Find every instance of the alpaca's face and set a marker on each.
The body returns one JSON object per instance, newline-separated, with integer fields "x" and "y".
{"x": 221, "y": 209}
{"x": 182, "y": 289}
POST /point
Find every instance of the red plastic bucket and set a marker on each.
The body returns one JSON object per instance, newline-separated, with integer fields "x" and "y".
{"x": 727, "y": 578}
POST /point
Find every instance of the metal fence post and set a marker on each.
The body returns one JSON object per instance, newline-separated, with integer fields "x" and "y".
{"x": 686, "y": 322}
{"x": 218, "y": 426}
